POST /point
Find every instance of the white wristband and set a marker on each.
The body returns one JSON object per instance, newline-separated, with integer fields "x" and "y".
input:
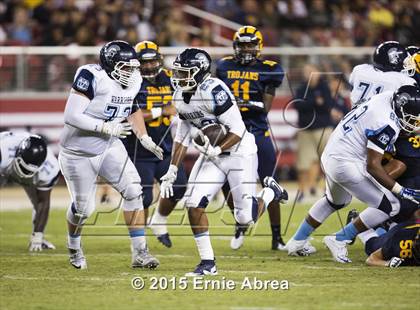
{"x": 396, "y": 189}
{"x": 156, "y": 112}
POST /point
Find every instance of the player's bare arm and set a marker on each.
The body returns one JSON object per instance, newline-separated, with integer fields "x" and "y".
{"x": 395, "y": 168}
{"x": 375, "y": 168}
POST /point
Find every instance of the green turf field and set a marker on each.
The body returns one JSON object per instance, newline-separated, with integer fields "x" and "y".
{"x": 46, "y": 281}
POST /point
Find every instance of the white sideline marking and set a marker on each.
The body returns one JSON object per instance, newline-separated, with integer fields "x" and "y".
{"x": 11, "y": 277}
{"x": 329, "y": 268}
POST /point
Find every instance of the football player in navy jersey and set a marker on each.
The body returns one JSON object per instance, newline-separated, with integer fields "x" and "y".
{"x": 154, "y": 99}
{"x": 253, "y": 82}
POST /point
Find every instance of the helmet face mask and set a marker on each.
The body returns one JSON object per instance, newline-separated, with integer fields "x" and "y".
{"x": 30, "y": 155}
{"x": 190, "y": 68}
{"x": 183, "y": 78}
{"x": 247, "y": 44}
{"x": 118, "y": 58}
{"x": 149, "y": 69}
{"x": 124, "y": 72}
{"x": 409, "y": 66}
{"x": 23, "y": 169}
{"x": 150, "y": 58}
{"x": 406, "y": 104}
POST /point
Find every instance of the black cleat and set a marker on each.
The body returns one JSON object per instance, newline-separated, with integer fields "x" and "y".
{"x": 165, "y": 240}
{"x": 278, "y": 244}
{"x": 353, "y": 214}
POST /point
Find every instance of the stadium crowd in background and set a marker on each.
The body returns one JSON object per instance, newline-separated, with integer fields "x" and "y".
{"x": 282, "y": 22}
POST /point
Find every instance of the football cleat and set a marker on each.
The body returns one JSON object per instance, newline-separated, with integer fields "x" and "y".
{"x": 278, "y": 245}
{"x": 280, "y": 194}
{"x": 238, "y": 239}
{"x": 143, "y": 259}
{"x": 338, "y": 249}
{"x": 165, "y": 240}
{"x": 77, "y": 259}
{"x": 300, "y": 247}
{"x": 204, "y": 268}
{"x": 350, "y": 217}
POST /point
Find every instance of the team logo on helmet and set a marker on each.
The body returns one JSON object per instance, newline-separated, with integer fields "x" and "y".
{"x": 394, "y": 56}
{"x": 203, "y": 60}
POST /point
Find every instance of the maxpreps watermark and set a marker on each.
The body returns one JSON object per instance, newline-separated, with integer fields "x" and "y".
{"x": 205, "y": 284}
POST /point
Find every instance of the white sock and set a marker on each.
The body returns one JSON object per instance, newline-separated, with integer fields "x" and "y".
{"x": 73, "y": 242}
{"x": 267, "y": 195}
{"x": 158, "y": 224}
{"x": 138, "y": 243}
{"x": 366, "y": 235}
{"x": 204, "y": 246}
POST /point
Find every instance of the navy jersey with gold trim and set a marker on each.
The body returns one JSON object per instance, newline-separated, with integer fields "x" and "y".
{"x": 408, "y": 151}
{"x": 153, "y": 95}
{"x": 249, "y": 83}
{"x": 398, "y": 242}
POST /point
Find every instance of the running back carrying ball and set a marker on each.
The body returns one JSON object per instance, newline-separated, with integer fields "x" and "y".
{"x": 215, "y": 132}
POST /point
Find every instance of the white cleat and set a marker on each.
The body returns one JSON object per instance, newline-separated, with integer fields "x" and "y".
{"x": 300, "y": 247}
{"x": 338, "y": 249}
{"x": 237, "y": 241}
{"x": 77, "y": 259}
{"x": 143, "y": 259}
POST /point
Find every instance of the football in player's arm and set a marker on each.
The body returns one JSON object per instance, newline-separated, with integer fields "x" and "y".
{"x": 201, "y": 100}
{"x": 26, "y": 160}
{"x": 253, "y": 82}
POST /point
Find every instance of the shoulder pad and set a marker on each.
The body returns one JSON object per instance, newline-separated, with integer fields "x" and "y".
{"x": 227, "y": 58}
{"x": 167, "y": 72}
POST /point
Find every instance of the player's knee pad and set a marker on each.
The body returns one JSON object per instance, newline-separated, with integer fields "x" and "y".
{"x": 337, "y": 206}
{"x": 73, "y": 216}
{"x": 133, "y": 199}
{"x": 197, "y": 202}
{"x": 372, "y": 217}
{"x": 322, "y": 209}
{"x": 246, "y": 212}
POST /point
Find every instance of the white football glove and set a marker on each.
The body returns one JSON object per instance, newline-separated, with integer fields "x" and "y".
{"x": 166, "y": 189}
{"x": 35, "y": 244}
{"x": 207, "y": 149}
{"x": 114, "y": 129}
{"x": 148, "y": 144}
{"x": 395, "y": 262}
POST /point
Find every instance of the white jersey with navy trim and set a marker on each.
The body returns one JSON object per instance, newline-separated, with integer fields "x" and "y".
{"x": 46, "y": 176}
{"x": 109, "y": 101}
{"x": 212, "y": 102}
{"x": 372, "y": 124}
{"x": 368, "y": 81}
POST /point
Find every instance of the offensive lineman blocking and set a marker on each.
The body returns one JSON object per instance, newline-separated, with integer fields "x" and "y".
{"x": 96, "y": 115}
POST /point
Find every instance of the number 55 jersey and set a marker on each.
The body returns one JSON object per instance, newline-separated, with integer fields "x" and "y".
{"x": 373, "y": 125}
{"x": 109, "y": 102}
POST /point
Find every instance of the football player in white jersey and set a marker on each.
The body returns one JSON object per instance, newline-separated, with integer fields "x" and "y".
{"x": 352, "y": 164}
{"x": 201, "y": 100}
{"x": 26, "y": 160}
{"x": 392, "y": 68}
{"x": 97, "y": 114}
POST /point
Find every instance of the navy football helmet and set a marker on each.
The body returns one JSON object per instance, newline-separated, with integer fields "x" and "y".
{"x": 30, "y": 155}
{"x": 118, "y": 59}
{"x": 151, "y": 60}
{"x": 406, "y": 104}
{"x": 392, "y": 56}
{"x": 190, "y": 68}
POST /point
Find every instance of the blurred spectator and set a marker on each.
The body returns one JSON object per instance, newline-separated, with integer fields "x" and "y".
{"x": 338, "y": 92}
{"x": 20, "y": 30}
{"x": 313, "y": 103}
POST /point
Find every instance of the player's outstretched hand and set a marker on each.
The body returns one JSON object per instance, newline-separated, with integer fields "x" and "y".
{"x": 410, "y": 194}
{"x": 166, "y": 188}
{"x": 395, "y": 262}
{"x": 35, "y": 244}
{"x": 148, "y": 144}
{"x": 207, "y": 149}
{"x": 114, "y": 129}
